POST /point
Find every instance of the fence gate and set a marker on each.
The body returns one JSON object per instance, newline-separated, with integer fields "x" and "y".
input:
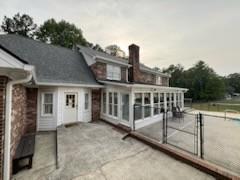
{"x": 185, "y": 132}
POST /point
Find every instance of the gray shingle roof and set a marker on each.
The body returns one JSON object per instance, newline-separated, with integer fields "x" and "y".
{"x": 53, "y": 64}
{"x": 93, "y": 52}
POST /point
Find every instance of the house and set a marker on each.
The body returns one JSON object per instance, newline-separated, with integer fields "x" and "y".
{"x": 44, "y": 86}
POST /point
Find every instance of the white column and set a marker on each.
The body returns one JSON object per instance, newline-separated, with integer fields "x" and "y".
{"x": 131, "y": 103}
{"x": 152, "y": 104}
{"x": 165, "y": 101}
{"x": 107, "y": 102}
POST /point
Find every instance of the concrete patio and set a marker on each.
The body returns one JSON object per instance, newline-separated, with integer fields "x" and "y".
{"x": 97, "y": 151}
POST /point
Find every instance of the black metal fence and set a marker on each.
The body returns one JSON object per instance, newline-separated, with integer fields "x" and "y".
{"x": 222, "y": 142}
{"x": 179, "y": 129}
{"x": 211, "y": 138}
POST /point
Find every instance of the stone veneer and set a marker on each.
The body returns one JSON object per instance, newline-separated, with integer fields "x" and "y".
{"x": 3, "y": 83}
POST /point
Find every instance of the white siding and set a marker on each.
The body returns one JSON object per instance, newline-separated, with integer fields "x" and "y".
{"x": 50, "y": 123}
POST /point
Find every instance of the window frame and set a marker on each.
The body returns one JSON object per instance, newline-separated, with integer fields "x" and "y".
{"x": 86, "y": 102}
{"x": 113, "y": 72}
{"x": 43, "y": 104}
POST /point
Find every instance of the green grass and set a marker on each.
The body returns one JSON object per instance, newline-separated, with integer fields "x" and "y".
{"x": 213, "y": 106}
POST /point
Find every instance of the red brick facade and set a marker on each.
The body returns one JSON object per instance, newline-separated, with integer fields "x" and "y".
{"x": 3, "y": 83}
{"x": 96, "y": 104}
{"x": 31, "y": 112}
{"x": 18, "y": 116}
{"x": 134, "y": 71}
{"x": 147, "y": 78}
{"x": 100, "y": 70}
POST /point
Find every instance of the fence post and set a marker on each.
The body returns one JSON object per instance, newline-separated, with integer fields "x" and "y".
{"x": 201, "y": 136}
{"x": 134, "y": 107}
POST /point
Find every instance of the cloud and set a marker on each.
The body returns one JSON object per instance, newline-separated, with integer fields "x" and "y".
{"x": 168, "y": 32}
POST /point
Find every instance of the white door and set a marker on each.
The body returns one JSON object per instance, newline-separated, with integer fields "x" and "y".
{"x": 125, "y": 107}
{"x": 70, "y": 107}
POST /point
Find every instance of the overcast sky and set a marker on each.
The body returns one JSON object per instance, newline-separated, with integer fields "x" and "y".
{"x": 167, "y": 31}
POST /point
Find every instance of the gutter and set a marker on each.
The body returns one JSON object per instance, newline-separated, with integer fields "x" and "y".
{"x": 8, "y": 120}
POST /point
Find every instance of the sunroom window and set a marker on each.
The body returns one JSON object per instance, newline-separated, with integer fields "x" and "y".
{"x": 104, "y": 102}
{"x": 147, "y": 105}
{"x": 156, "y": 103}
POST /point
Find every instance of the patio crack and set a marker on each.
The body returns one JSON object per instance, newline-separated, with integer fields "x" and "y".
{"x": 119, "y": 159}
{"x": 108, "y": 162}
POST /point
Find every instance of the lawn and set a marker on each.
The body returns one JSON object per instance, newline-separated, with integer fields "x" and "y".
{"x": 219, "y": 106}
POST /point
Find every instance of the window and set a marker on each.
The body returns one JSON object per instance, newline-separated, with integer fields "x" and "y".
{"x": 113, "y": 72}
{"x": 156, "y": 103}
{"x": 110, "y": 103}
{"x": 138, "y": 106}
{"x": 47, "y": 104}
{"x": 115, "y": 104}
{"x": 159, "y": 80}
{"x": 86, "y": 101}
{"x": 162, "y": 102}
{"x": 104, "y": 102}
{"x": 168, "y": 102}
{"x": 172, "y": 100}
{"x": 147, "y": 105}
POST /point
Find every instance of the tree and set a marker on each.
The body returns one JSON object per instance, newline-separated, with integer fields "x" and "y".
{"x": 232, "y": 82}
{"x": 19, "y": 24}
{"x": 201, "y": 80}
{"x": 60, "y": 33}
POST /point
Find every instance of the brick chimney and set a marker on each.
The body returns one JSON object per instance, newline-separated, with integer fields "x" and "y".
{"x": 134, "y": 71}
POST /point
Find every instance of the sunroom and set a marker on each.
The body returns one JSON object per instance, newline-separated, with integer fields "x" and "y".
{"x": 138, "y": 105}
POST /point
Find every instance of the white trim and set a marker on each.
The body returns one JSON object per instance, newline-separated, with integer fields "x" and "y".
{"x": 145, "y": 86}
{"x": 69, "y": 85}
{"x": 42, "y": 104}
{"x": 154, "y": 72}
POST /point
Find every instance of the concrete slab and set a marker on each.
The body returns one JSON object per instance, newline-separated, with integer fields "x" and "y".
{"x": 44, "y": 159}
{"x": 96, "y": 151}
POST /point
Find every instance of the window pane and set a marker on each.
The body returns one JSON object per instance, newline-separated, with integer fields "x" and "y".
{"x": 48, "y": 98}
{"x": 110, "y": 97}
{"x": 147, "y": 111}
{"x": 115, "y": 98}
{"x": 138, "y": 98}
{"x": 115, "y": 110}
{"x": 110, "y": 109}
{"x": 161, "y": 97}
{"x": 48, "y": 109}
{"x": 155, "y": 98}
{"x": 147, "y": 98}
{"x": 156, "y": 109}
{"x": 138, "y": 112}
{"x": 86, "y": 100}
{"x": 104, "y": 102}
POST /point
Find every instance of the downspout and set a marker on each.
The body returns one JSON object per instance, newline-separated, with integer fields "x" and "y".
{"x": 8, "y": 120}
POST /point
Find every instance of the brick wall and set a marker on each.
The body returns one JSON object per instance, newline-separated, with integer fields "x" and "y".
{"x": 31, "y": 111}
{"x": 99, "y": 69}
{"x": 3, "y": 83}
{"x": 147, "y": 78}
{"x": 96, "y": 104}
{"x": 19, "y": 97}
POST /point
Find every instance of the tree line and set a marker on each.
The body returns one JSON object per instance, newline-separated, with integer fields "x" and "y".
{"x": 203, "y": 82}
{"x": 60, "y": 33}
